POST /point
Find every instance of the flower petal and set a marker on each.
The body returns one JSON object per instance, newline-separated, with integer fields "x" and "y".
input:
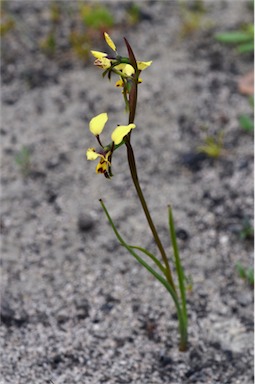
{"x": 126, "y": 69}
{"x": 103, "y": 63}
{"x": 98, "y": 55}
{"x": 91, "y": 154}
{"x": 96, "y": 125}
{"x": 119, "y": 83}
{"x": 141, "y": 65}
{"x": 120, "y": 132}
{"x": 109, "y": 41}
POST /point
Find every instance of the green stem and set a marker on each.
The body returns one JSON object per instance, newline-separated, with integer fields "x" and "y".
{"x": 179, "y": 269}
{"x": 151, "y": 256}
{"x": 133, "y": 170}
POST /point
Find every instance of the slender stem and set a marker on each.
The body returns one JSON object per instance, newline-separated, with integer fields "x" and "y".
{"x": 133, "y": 170}
{"x": 178, "y": 264}
{"x": 169, "y": 282}
{"x": 133, "y": 100}
{"x": 151, "y": 256}
{"x": 99, "y": 141}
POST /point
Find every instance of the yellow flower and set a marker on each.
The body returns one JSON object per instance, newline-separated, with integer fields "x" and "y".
{"x": 104, "y": 163}
{"x": 126, "y": 69}
{"x": 122, "y": 69}
{"x": 119, "y": 83}
{"x": 103, "y": 63}
{"x": 92, "y": 154}
{"x": 97, "y": 124}
{"x": 98, "y": 55}
{"x": 120, "y": 132}
{"x": 110, "y": 42}
{"x": 103, "y": 167}
{"x": 141, "y": 65}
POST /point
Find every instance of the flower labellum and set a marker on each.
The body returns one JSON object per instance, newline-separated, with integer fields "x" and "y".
{"x": 104, "y": 165}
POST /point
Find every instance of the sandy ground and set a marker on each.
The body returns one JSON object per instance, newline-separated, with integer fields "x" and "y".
{"x": 76, "y": 308}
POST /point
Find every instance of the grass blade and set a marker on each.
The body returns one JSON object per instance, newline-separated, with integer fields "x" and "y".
{"x": 180, "y": 273}
{"x": 151, "y": 256}
{"x": 182, "y": 318}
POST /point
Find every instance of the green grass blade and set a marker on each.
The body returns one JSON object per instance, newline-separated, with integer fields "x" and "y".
{"x": 139, "y": 259}
{"x": 180, "y": 273}
{"x": 181, "y": 315}
{"x": 246, "y": 123}
{"x": 151, "y": 256}
{"x": 235, "y": 37}
{"x": 246, "y": 47}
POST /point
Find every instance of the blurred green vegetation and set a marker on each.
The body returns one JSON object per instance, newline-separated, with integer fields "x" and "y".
{"x": 247, "y": 230}
{"x": 70, "y": 28}
{"x": 48, "y": 44}
{"x": 133, "y": 14}
{"x": 80, "y": 44}
{"x": 6, "y": 21}
{"x": 6, "y": 26}
{"x": 91, "y": 18}
{"x": 246, "y": 234}
{"x": 193, "y": 18}
{"x": 88, "y": 21}
{"x": 246, "y": 122}
{"x": 96, "y": 16}
{"x": 246, "y": 274}
{"x": 243, "y": 39}
{"x": 23, "y": 160}
{"x": 213, "y": 145}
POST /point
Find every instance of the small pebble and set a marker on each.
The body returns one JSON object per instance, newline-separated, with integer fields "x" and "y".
{"x": 85, "y": 222}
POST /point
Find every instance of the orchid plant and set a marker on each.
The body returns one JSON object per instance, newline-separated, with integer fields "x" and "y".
{"x": 128, "y": 71}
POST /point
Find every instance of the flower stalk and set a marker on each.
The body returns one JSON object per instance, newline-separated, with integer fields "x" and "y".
{"x": 129, "y": 69}
{"x": 133, "y": 171}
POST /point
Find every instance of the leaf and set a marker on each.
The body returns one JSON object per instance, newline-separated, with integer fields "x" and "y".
{"x": 151, "y": 256}
{"x": 246, "y": 123}
{"x": 182, "y": 316}
{"x": 180, "y": 273}
{"x": 234, "y": 37}
{"x": 251, "y": 100}
{"x": 140, "y": 260}
{"x": 246, "y": 48}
